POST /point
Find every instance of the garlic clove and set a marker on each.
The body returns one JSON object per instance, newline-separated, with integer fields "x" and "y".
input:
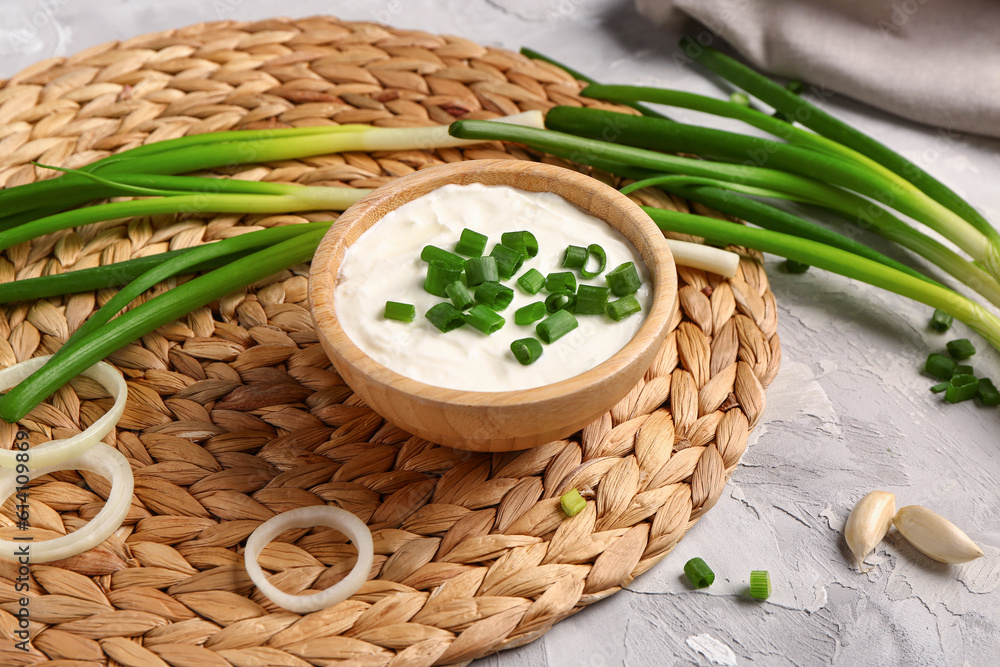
{"x": 868, "y": 523}
{"x": 935, "y": 536}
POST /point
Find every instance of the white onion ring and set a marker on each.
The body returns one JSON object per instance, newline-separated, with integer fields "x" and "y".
{"x": 100, "y": 459}
{"x": 57, "y": 452}
{"x": 308, "y": 517}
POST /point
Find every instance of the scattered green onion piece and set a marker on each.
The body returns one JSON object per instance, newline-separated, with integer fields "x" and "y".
{"x": 575, "y": 257}
{"x": 939, "y": 366}
{"x": 459, "y": 295}
{"x": 563, "y": 282}
{"x": 988, "y": 393}
{"x": 508, "y": 260}
{"x": 941, "y": 321}
{"x": 572, "y": 502}
{"x": 740, "y": 98}
{"x": 961, "y": 348}
{"x": 602, "y": 261}
{"x": 623, "y": 307}
{"x": 529, "y": 314}
{"x": 699, "y": 573}
{"x": 532, "y": 281}
{"x": 526, "y": 350}
{"x": 623, "y": 279}
{"x": 963, "y": 369}
{"x": 440, "y": 274}
{"x": 554, "y": 302}
{"x": 760, "y": 585}
{"x": 485, "y": 319}
{"x": 471, "y": 243}
{"x": 591, "y": 300}
{"x": 494, "y": 295}
{"x": 523, "y": 242}
{"x": 939, "y": 387}
{"x": 795, "y": 267}
{"x": 961, "y": 388}
{"x": 404, "y": 312}
{"x": 479, "y": 270}
{"x": 430, "y": 253}
{"x": 555, "y": 326}
{"x": 445, "y": 317}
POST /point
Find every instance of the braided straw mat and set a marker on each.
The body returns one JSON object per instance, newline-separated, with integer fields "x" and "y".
{"x": 235, "y": 414}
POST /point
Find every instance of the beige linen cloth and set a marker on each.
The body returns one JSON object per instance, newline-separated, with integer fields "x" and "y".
{"x": 935, "y": 61}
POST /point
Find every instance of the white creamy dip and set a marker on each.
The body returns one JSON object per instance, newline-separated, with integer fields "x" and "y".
{"x": 384, "y": 265}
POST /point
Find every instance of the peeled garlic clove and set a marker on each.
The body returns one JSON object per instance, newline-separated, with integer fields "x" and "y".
{"x": 935, "y": 536}
{"x": 868, "y": 524}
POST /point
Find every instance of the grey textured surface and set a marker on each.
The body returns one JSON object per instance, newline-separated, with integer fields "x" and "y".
{"x": 848, "y": 413}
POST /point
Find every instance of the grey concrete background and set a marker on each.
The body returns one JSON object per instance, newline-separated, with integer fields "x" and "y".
{"x": 849, "y": 412}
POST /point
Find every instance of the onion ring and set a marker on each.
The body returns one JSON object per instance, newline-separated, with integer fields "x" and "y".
{"x": 57, "y": 452}
{"x": 308, "y": 517}
{"x": 100, "y": 459}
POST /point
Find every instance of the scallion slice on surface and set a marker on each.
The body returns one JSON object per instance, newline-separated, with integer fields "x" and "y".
{"x": 485, "y": 319}
{"x": 445, "y": 317}
{"x": 508, "y": 260}
{"x": 621, "y": 308}
{"x": 572, "y": 503}
{"x": 963, "y": 369}
{"x": 494, "y": 295}
{"x": 562, "y": 282}
{"x": 988, "y": 393}
{"x": 699, "y": 573}
{"x": 526, "y": 350}
{"x": 941, "y": 321}
{"x": 939, "y": 366}
{"x": 524, "y": 242}
{"x": 529, "y": 314}
{"x": 623, "y": 279}
{"x": 471, "y": 243}
{"x": 555, "y": 326}
{"x": 760, "y": 585}
{"x": 532, "y": 281}
{"x": 404, "y": 312}
{"x": 594, "y": 250}
{"x": 591, "y": 300}
{"x": 459, "y": 294}
{"x": 431, "y": 253}
{"x": 559, "y": 301}
{"x": 574, "y": 257}
{"x": 939, "y": 387}
{"x": 479, "y": 270}
{"x": 961, "y": 348}
{"x": 961, "y": 388}
{"x": 440, "y": 274}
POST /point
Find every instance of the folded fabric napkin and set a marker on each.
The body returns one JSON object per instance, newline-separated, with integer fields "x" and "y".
{"x": 933, "y": 61}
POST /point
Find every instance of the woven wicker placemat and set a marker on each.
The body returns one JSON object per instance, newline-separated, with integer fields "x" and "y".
{"x": 235, "y": 414}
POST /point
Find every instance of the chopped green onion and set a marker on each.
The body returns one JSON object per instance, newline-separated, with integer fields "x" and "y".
{"x": 555, "y": 326}
{"x": 623, "y": 279}
{"x": 471, "y": 243}
{"x": 591, "y": 300}
{"x": 963, "y": 369}
{"x": 560, "y": 283}
{"x": 988, "y": 393}
{"x": 479, "y": 270}
{"x": 602, "y": 261}
{"x": 699, "y": 573}
{"x": 529, "y": 314}
{"x": 523, "y": 242}
{"x": 554, "y": 302}
{"x": 623, "y": 307}
{"x": 485, "y": 319}
{"x": 939, "y": 387}
{"x": 941, "y": 321}
{"x": 939, "y": 366}
{"x": 575, "y": 257}
{"x": 431, "y": 253}
{"x": 404, "y": 312}
{"x": 961, "y": 348}
{"x": 740, "y": 98}
{"x": 760, "y": 585}
{"x": 532, "y": 281}
{"x": 961, "y": 388}
{"x": 440, "y": 274}
{"x": 526, "y": 350}
{"x": 459, "y": 295}
{"x": 795, "y": 267}
{"x": 508, "y": 260}
{"x": 572, "y": 502}
{"x": 445, "y": 317}
{"x": 494, "y": 295}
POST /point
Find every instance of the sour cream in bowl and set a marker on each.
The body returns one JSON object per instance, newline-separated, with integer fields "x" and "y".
{"x": 464, "y": 388}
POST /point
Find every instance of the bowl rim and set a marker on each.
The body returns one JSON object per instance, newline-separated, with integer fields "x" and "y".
{"x": 387, "y": 197}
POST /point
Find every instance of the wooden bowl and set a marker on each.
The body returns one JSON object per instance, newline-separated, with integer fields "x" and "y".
{"x": 505, "y": 420}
